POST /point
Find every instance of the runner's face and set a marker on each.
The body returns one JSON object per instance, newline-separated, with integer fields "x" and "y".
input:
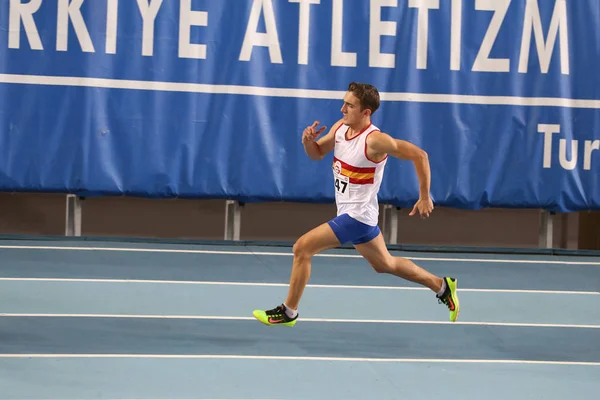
{"x": 351, "y": 110}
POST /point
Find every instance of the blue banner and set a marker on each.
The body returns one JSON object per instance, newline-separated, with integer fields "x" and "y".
{"x": 208, "y": 99}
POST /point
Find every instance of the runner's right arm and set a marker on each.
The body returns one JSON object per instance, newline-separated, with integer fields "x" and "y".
{"x": 316, "y": 150}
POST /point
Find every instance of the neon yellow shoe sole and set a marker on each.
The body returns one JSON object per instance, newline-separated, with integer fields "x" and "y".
{"x": 272, "y": 321}
{"x": 454, "y": 304}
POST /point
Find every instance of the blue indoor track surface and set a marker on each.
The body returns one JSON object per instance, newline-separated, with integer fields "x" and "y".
{"x": 116, "y": 320}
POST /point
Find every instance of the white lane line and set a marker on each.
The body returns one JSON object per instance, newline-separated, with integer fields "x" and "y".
{"x": 268, "y": 284}
{"x": 320, "y": 320}
{"x": 308, "y": 358}
{"x": 261, "y": 253}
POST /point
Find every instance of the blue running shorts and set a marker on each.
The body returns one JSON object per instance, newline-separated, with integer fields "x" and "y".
{"x": 347, "y": 229}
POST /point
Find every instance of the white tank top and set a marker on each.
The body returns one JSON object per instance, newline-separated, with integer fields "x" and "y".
{"x": 356, "y": 178}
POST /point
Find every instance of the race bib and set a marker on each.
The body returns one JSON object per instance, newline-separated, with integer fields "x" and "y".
{"x": 340, "y": 181}
{"x": 341, "y": 185}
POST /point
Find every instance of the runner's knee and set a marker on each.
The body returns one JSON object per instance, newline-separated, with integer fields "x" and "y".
{"x": 302, "y": 248}
{"x": 382, "y": 265}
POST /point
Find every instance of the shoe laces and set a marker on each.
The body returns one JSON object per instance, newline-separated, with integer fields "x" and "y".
{"x": 277, "y": 311}
{"x": 444, "y": 299}
{"x": 447, "y": 300}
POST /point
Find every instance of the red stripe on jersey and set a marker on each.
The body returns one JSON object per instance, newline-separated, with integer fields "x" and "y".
{"x": 362, "y": 170}
{"x": 361, "y": 181}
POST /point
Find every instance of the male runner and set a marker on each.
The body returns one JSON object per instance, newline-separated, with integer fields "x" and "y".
{"x": 360, "y": 155}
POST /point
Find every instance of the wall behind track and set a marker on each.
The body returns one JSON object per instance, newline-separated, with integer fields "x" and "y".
{"x": 44, "y": 214}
